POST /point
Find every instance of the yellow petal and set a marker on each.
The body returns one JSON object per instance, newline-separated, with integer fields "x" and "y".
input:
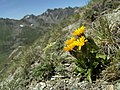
{"x": 71, "y": 40}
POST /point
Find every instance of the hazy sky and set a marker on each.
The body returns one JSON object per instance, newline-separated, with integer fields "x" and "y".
{"x": 16, "y": 9}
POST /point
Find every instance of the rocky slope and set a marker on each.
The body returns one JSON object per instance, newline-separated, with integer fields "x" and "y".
{"x": 43, "y": 65}
{"x": 14, "y": 33}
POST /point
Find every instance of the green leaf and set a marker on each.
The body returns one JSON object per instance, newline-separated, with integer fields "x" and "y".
{"x": 103, "y": 56}
{"x": 93, "y": 51}
{"x": 95, "y": 64}
{"x": 81, "y": 70}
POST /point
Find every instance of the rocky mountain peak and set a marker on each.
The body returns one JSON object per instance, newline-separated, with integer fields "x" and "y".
{"x": 50, "y": 16}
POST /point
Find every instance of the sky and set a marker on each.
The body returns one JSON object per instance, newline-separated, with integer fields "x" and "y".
{"x": 17, "y": 9}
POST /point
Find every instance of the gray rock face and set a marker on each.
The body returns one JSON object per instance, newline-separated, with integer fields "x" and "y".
{"x": 51, "y": 16}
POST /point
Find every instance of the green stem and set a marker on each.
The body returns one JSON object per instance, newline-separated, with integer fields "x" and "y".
{"x": 89, "y": 75}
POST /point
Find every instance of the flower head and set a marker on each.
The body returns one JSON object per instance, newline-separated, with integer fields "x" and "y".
{"x": 74, "y": 42}
{"x": 80, "y": 42}
{"x": 69, "y": 47}
{"x": 79, "y": 31}
{"x": 70, "y": 44}
{"x": 71, "y": 40}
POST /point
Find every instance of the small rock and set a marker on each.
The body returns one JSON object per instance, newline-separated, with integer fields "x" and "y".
{"x": 67, "y": 65}
{"x": 110, "y": 87}
{"x": 52, "y": 79}
{"x": 58, "y": 76}
{"x": 43, "y": 85}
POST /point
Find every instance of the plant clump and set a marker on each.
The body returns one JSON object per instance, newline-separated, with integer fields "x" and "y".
{"x": 89, "y": 61}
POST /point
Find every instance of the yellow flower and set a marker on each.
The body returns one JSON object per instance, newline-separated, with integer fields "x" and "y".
{"x": 72, "y": 42}
{"x": 69, "y": 47}
{"x": 80, "y": 42}
{"x": 66, "y": 49}
{"x": 82, "y": 39}
{"x": 68, "y": 42}
{"x": 79, "y": 31}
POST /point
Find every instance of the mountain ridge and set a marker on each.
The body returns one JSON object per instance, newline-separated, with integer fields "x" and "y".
{"x": 32, "y": 21}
